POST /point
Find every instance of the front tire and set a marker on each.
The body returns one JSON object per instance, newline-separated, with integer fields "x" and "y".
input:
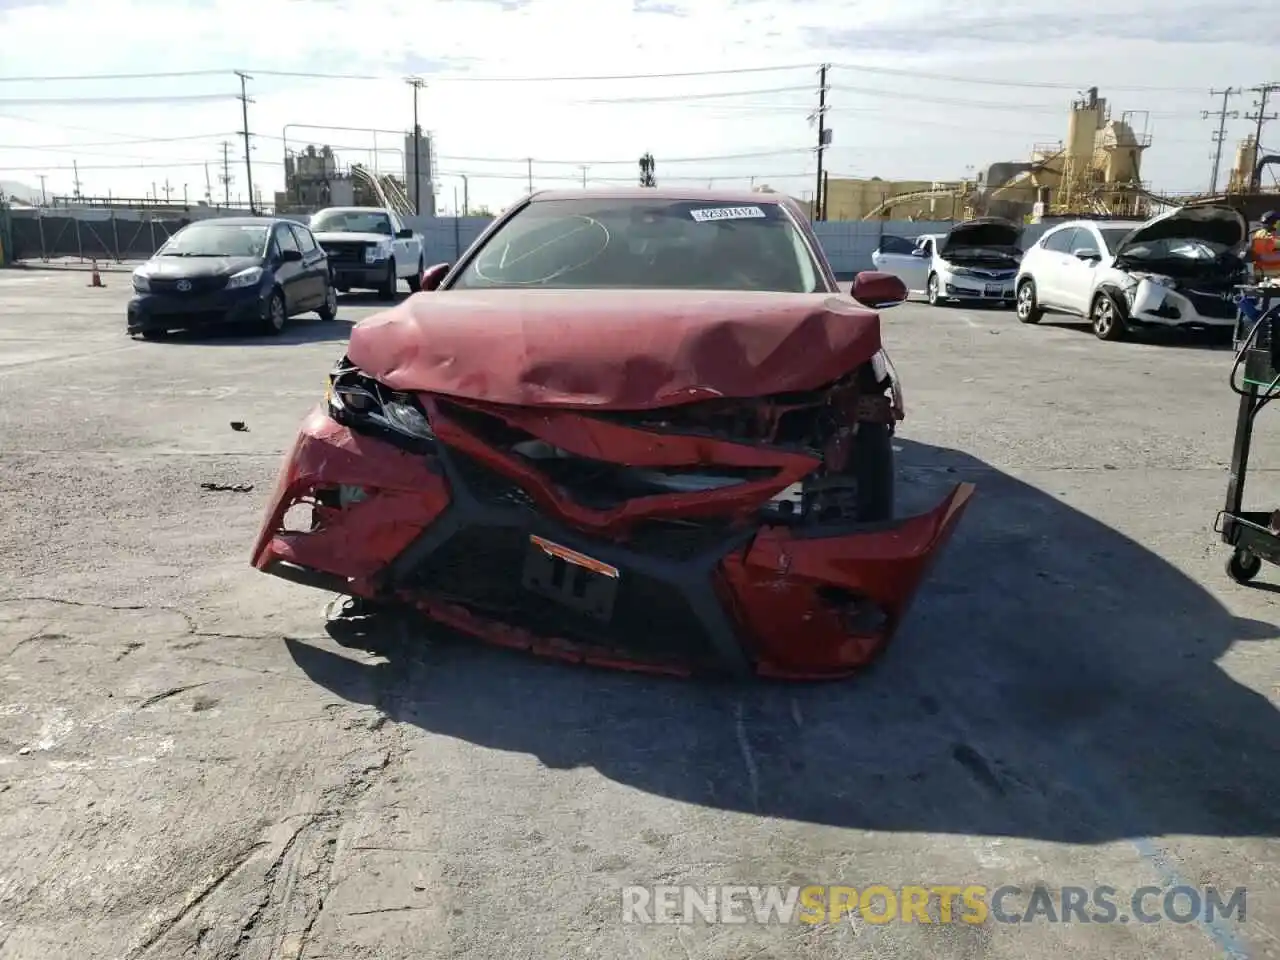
{"x": 415, "y": 282}
{"x": 873, "y": 467}
{"x": 329, "y": 311}
{"x": 932, "y": 293}
{"x": 388, "y": 289}
{"x": 276, "y": 315}
{"x": 1107, "y": 318}
{"x": 1025, "y": 305}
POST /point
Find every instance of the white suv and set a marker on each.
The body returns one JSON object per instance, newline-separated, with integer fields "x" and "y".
{"x": 1178, "y": 270}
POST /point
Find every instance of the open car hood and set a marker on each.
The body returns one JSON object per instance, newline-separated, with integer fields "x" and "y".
{"x": 987, "y": 233}
{"x": 613, "y": 349}
{"x": 1211, "y": 223}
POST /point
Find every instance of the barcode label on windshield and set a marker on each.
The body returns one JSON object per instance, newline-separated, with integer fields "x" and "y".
{"x": 727, "y": 213}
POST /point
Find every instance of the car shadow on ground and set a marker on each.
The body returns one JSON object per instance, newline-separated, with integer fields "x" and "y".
{"x": 1055, "y": 680}
{"x": 303, "y": 329}
{"x": 1173, "y": 339}
{"x": 370, "y": 298}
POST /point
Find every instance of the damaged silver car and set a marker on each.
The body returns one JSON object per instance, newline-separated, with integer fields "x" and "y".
{"x": 1176, "y": 271}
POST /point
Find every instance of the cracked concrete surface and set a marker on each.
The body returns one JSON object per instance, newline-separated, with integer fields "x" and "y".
{"x": 191, "y": 766}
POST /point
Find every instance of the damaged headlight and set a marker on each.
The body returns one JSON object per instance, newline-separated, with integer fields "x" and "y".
{"x": 360, "y": 402}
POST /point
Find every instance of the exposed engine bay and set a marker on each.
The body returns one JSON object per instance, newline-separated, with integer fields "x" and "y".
{"x": 1209, "y": 282}
{"x": 844, "y": 428}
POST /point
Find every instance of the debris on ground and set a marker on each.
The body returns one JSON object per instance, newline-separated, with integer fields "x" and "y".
{"x": 227, "y": 487}
{"x": 239, "y": 426}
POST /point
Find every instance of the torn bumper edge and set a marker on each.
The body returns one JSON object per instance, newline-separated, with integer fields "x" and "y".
{"x": 809, "y": 603}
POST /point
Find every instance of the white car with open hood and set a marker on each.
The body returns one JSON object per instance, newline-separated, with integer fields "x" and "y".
{"x": 1177, "y": 270}
{"x": 976, "y": 261}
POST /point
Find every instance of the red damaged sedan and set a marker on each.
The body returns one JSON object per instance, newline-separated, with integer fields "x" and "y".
{"x": 640, "y": 428}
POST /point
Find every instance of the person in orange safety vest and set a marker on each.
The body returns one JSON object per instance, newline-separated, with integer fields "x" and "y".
{"x": 1264, "y": 250}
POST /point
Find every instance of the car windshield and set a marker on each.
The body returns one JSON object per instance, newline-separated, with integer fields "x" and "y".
{"x": 1112, "y": 236}
{"x": 352, "y": 221}
{"x": 210, "y": 239}
{"x": 603, "y": 243}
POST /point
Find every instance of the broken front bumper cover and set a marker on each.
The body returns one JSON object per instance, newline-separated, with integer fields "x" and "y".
{"x": 441, "y": 531}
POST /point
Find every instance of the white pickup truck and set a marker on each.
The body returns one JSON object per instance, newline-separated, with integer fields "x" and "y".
{"x": 369, "y": 248}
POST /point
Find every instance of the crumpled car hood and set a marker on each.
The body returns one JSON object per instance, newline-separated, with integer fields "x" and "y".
{"x": 613, "y": 349}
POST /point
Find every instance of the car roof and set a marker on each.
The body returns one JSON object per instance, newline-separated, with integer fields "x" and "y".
{"x": 242, "y": 221}
{"x": 695, "y": 194}
{"x": 1101, "y": 224}
{"x": 352, "y": 210}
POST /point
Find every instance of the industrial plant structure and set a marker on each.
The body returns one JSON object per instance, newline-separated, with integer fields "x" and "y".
{"x": 315, "y": 178}
{"x": 1095, "y": 170}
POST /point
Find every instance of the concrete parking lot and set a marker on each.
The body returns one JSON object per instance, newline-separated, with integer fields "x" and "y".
{"x": 190, "y": 766}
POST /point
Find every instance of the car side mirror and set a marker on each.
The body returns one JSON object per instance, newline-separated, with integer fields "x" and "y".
{"x": 878, "y": 290}
{"x": 1086, "y": 253}
{"x": 405, "y": 234}
{"x": 290, "y": 256}
{"x": 432, "y": 276}
{"x": 919, "y": 252}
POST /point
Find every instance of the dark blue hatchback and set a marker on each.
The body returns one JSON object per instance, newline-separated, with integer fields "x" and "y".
{"x": 237, "y": 270}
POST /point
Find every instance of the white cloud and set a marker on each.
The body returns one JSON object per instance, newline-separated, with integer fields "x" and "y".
{"x": 915, "y": 126}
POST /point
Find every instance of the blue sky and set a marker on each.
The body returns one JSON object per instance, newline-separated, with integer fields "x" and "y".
{"x": 920, "y": 89}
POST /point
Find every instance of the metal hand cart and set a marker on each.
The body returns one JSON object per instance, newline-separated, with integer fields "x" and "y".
{"x": 1255, "y": 378}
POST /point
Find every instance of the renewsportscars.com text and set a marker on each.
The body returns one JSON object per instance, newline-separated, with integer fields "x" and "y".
{"x": 929, "y": 903}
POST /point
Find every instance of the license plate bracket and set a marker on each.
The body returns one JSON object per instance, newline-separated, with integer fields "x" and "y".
{"x": 572, "y": 579}
{"x": 994, "y": 290}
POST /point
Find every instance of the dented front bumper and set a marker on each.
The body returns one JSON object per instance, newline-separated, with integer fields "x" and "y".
{"x": 443, "y": 532}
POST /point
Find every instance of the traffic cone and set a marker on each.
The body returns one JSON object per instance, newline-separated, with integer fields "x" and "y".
{"x": 95, "y": 280}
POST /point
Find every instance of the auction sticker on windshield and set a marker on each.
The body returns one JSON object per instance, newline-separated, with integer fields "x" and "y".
{"x": 727, "y": 213}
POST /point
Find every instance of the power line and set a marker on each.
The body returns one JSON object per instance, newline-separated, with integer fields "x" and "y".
{"x": 56, "y": 147}
{"x": 698, "y": 96}
{"x": 443, "y": 78}
{"x": 114, "y": 101}
{"x": 991, "y": 81}
{"x": 118, "y": 76}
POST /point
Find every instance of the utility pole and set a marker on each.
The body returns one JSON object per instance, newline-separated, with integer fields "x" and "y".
{"x": 466, "y": 195}
{"x": 583, "y": 168}
{"x": 1220, "y": 135}
{"x": 1263, "y": 92}
{"x": 226, "y": 174}
{"x": 824, "y": 140}
{"x": 167, "y": 190}
{"x": 208, "y": 186}
{"x": 529, "y": 168}
{"x": 75, "y": 167}
{"x": 44, "y": 197}
{"x": 244, "y": 111}
{"x": 417, "y": 83}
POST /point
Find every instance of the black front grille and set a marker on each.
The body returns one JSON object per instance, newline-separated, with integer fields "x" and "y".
{"x": 488, "y": 486}
{"x": 344, "y": 252}
{"x": 187, "y": 285}
{"x": 1212, "y": 305}
{"x": 480, "y": 569}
